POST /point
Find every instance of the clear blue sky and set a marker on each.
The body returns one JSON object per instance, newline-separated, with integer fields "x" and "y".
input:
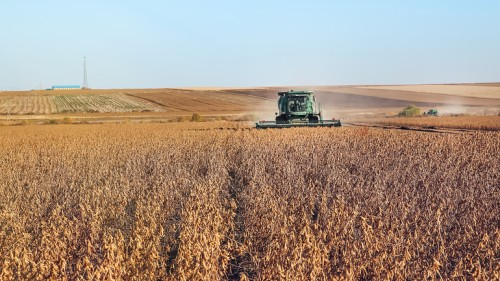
{"x": 145, "y": 44}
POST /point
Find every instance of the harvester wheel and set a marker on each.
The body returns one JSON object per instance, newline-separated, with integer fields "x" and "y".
{"x": 313, "y": 119}
{"x": 281, "y": 120}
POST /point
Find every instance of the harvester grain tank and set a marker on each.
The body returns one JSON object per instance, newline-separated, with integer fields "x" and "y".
{"x": 298, "y": 109}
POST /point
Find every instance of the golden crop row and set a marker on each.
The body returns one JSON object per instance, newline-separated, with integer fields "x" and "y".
{"x": 158, "y": 201}
{"x": 488, "y": 123}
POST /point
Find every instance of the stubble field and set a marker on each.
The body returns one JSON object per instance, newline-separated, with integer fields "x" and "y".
{"x": 41, "y": 104}
{"x": 212, "y": 201}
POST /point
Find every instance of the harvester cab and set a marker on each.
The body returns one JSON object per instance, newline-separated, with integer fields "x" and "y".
{"x": 298, "y": 109}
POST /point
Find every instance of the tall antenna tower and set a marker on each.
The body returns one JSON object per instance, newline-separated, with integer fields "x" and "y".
{"x": 85, "y": 83}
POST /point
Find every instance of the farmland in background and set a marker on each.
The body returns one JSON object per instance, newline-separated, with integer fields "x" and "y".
{"x": 184, "y": 100}
{"x": 474, "y": 91}
{"x": 27, "y": 104}
{"x": 77, "y": 103}
{"x": 211, "y": 201}
{"x": 103, "y": 103}
{"x": 346, "y": 102}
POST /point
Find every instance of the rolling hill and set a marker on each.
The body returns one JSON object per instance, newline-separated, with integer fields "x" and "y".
{"x": 343, "y": 101}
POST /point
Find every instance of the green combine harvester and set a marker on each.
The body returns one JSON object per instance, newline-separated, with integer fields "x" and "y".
{"x": 432, "y": 112}
{"x": 298, "y": 109}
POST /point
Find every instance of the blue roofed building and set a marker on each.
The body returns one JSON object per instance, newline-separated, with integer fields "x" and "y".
{"x": 66, "y": 87}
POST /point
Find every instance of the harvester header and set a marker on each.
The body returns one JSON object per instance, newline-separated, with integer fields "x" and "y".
{"x": 298, "y": 109}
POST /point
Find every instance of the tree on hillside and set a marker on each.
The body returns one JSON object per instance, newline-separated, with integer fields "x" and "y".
{"x": 196, "y": 118}
{"x": 410, "y": 111}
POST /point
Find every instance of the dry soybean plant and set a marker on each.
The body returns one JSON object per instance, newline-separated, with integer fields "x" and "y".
{"x": 187, "y": 202}
{"x": 487, "y": 123}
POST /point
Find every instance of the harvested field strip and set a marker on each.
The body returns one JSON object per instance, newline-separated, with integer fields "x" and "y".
{"x": 193, "y": 101}
{"x": 36, "y": 106}
{"x": 102, "y": 103}
{"x": 147, "y": 99}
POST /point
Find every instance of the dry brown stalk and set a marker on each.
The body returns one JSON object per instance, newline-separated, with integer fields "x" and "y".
{"x": 170, "y": 202}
